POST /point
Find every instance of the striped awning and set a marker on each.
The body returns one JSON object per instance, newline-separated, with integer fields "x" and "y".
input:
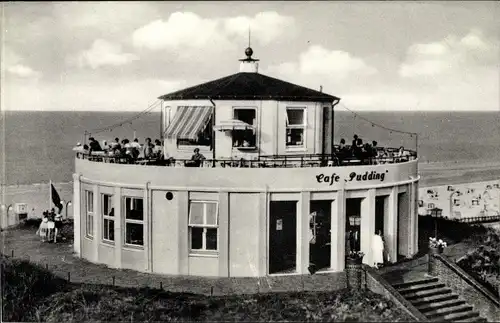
{"x": 188, "y": 122}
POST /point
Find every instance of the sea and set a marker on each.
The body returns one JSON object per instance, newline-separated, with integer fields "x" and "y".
{"x": 35, "y": 147}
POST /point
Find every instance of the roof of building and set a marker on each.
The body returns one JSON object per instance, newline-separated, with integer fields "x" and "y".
{"x": 249, "y": 86}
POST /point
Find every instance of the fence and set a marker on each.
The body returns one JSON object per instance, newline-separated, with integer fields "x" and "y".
{"x": 265, "y": 161}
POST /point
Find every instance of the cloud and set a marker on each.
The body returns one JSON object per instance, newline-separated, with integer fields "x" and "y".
{"x": 14, "y": 65}
{"x": 265, "y": 26}
{"x": 23, "y": 71}
{"x": 182, "y": 29}
{"x": 450, "y": 55}
{"x": 318, "y": 63}
{"x": 187, "y": 30}
{"x": 104, "y": 53}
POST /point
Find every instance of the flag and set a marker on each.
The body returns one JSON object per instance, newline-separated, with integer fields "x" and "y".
{"x": 55, "y": 197}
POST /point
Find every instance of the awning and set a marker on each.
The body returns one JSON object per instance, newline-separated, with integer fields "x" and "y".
{"x": 188, "y": 122}
{"x": 233, "y": 124}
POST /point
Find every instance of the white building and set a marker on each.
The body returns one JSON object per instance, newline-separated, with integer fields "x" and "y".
{"x": 253, "y": 217}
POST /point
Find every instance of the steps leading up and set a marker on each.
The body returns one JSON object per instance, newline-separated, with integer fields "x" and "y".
{"x": 437, "y": 302}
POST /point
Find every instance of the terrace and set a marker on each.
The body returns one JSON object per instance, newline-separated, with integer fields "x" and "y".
{"x": 390, "y": 156}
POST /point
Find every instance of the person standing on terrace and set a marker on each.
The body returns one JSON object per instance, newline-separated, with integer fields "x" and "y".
{"x": 147, "y": 150}
{"x": 94, "y": 145}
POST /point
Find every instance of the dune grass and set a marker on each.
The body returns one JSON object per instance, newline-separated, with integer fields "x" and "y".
{"x": 31, "y": 293}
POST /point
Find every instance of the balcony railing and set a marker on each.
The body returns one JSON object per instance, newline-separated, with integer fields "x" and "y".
{"x": 270, "y": 161}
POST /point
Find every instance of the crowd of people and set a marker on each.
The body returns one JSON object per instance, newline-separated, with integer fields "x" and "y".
{"x": 133, "y": 151}
{"x": 51, "y": 226}
{"x": 124, "y": 148}
{"x": 365, "y": 152}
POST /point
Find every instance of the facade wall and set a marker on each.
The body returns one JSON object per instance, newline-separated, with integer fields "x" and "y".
{"x": 271, "y": 128}
{"x": 244, "y": 234}
{"x": 243, "y": 197}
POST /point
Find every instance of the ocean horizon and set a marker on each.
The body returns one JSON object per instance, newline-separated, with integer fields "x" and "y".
{"x": 37, "y": 144}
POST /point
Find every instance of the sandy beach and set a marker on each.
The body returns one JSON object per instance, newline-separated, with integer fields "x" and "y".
{"x": 433, "y": 175}
{"x": 37, "y": 196}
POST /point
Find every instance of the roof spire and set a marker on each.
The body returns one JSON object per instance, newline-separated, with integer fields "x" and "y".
{"x": 249, "y": 35}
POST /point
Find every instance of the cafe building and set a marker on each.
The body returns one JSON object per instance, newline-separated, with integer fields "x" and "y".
{"x": 268, "y": 198}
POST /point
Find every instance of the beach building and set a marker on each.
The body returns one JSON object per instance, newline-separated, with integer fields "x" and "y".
{"x": 271, "y": 195}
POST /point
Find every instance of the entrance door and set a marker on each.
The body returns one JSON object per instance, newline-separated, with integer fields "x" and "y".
{"x": 353, "y": 224}
{"x": 283, "y": 237}
{"x": 319, "y": 226}
{"x": 380, "y": 213}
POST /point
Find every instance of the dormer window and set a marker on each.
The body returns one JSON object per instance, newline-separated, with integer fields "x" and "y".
{"x": 295, "y": 127}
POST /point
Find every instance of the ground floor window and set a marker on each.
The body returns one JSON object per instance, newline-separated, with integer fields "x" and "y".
{"x": 134, "y": 221}
{"x": 89, "y": 214}
{"x": 108, "y": 219}
{"x": 203, "y": 226}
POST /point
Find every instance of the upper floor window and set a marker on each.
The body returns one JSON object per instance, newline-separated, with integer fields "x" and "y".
{"x": 245, "y": 137}
{"x": 204, "y": 137}
{"x": 295, "y": 127}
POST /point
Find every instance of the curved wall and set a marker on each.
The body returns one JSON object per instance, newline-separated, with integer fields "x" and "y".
{"x": 243, "y": 196}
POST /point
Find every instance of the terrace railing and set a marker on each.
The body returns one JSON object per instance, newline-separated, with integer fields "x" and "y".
{"x": 267, "y": 161}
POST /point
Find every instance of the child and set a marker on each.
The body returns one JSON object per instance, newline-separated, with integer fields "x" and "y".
{"x": 43, "y": 229}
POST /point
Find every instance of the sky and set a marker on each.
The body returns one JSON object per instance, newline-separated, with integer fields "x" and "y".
{"x": 120, "y": 56}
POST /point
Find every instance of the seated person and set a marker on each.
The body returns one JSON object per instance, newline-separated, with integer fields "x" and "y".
{"x": 196, "y": 159}
{"x": 158, "y": 150}
{"x": 342, "y": 152}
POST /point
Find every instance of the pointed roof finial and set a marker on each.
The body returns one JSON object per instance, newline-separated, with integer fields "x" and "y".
{"x": 249, "y": 50}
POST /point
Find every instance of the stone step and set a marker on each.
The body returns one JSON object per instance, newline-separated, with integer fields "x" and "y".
{"x": 426, "y": 293}
{"x": 454, "y": 317}
{"x": 420, "y": 287}
{"x": 415, "y": 282}
{"x": 436, "y": 305}
{"x": 460, "y": 308}
{"x": 436, "y": 298}
{"x": 473, "y": 319}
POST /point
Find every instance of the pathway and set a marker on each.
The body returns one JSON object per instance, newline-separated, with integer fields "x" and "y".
{"x": 60, "y": 260}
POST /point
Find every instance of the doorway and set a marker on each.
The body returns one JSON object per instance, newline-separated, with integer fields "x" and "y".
{"x": 380, "y": 205}
{"x": 320, "y": 234}
{"x": 353, "y": 225}
{"x": 283, "y": 237}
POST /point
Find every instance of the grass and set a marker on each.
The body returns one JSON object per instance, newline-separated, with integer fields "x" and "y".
{"x": 33, "y": 294}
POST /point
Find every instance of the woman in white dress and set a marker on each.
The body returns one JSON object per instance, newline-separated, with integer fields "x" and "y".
{"x": 43, "y": 229}
{"x": 378, "y": 249}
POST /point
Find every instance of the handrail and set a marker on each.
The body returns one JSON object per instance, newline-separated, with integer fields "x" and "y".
{"x": 468, "y": 279}
{"x": 266, "y": 161}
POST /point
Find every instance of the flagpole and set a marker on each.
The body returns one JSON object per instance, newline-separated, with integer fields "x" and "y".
{"x": 50, "y": 193}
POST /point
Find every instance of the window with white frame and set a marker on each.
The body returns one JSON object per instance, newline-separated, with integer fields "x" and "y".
{"x": 295, "y": 127}
{"x": 108, "y": 217}
{"x": 134, "y": 221}
{"x": 89, "y": 214}
{"x": 245, "y": 138}
{"x": 203, "y": 226}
